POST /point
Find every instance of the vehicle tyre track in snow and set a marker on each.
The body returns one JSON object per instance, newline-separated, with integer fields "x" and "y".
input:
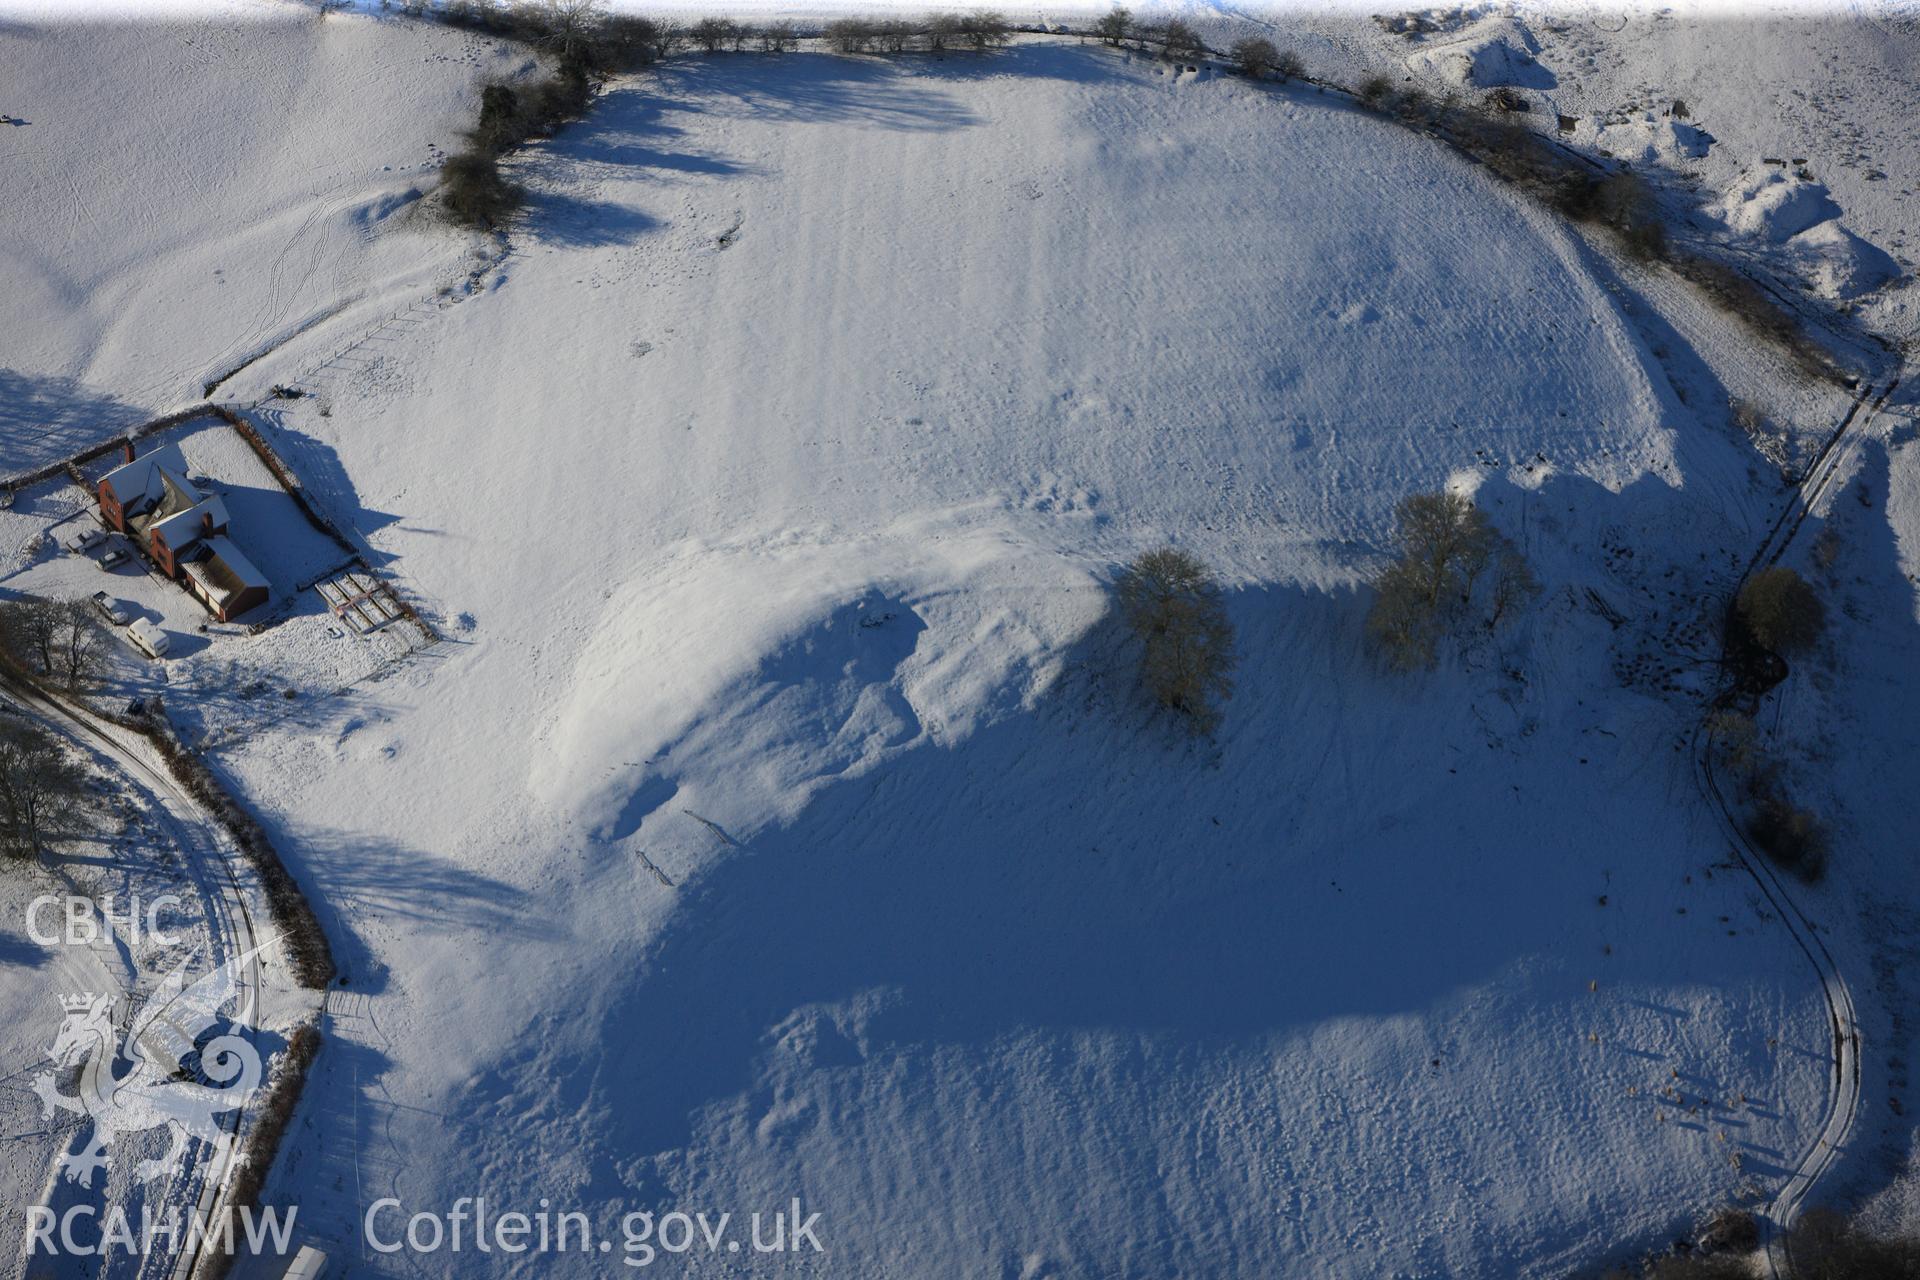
{"x": 231, "y": 932}
{"x": 1843, "y": 1083}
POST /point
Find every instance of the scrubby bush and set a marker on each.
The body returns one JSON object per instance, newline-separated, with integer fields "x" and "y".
{"x": 1748, "y": 303}
{"x": 501, "y": 126}
{"x": 1255, "y": 56}
{"x": 1414, "y": 105}
{"x": 1731, "y": 1230}
{"x": 552, "y": 101}
{"x": 1748, "y": 416}
{"x": 1508, "y": 100}
{"x": 1792, "y": 836}
{"x": 1736, "y": 743}
{"x": 625, "y": 42}
{"x": 1782, "y": 611}
{"x": 1287, "y": 65}
{"x": 475, "y": 193}
{"x": 1170, "y": 601}
{"x": 1374, "y": 90}
{"x": 1623, "y": 201}
{"x": 1687, "y": 1267}
{"x": 1115, "y": 25}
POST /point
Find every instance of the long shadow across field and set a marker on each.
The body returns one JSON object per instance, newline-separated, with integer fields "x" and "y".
{"x": 1079, "y": 869}
{"x": 45, "y": 419}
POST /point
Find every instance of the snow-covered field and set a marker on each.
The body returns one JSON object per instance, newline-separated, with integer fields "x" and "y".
{"x": 778, "y": 818}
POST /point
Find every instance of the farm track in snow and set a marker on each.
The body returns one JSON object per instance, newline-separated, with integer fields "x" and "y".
{"x": 231, "y": 933}
{"x": 1843, "y": 1085}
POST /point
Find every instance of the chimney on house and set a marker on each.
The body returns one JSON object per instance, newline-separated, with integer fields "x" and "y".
{"x": 129, "y": 448}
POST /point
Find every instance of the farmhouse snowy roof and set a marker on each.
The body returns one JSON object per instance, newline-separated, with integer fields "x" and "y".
{"x": 143, "y": 481}
{"x": 224, "y": 571}
{"x": 182, "y": 528}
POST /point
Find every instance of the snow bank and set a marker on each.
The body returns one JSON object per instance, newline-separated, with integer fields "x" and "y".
{"x": 1774, "y": 206}
{"x": 1497, "y": 53}
{"x": 1646, "y": 139}
{"x": 796, "y": 663}
{"x": 1800, "y": 215}
{"x": 1841, "y": 265}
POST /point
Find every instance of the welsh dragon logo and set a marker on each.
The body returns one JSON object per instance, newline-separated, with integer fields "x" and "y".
{"x": 170, "y": 1050}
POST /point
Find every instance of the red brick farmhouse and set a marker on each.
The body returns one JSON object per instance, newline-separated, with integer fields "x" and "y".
{"x": 183, "y": 529}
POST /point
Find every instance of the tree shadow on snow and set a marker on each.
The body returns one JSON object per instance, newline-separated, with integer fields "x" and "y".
{"x": 572, "y": 222}
{"x": 45, "y": 419}
{"x": 1085, "y": 868}
{"x": 812, "y": 88}
{"x": 357, "y": 876}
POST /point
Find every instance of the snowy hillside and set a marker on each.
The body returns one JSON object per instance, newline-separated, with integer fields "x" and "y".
{"x": 779, "y": 816}
{"x": 252, "y": 167}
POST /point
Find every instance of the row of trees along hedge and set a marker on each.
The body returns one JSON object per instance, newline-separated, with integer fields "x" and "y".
{"x": 980, "y": 31}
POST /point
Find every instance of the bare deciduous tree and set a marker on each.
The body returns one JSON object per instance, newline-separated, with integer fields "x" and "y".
{"x": 31, "y": 630}
{"x": 849, "y": 35}
{"x": 1446, "y": 548}
{"x": 1180, "y": 43}
{"x": 567, "y": 26}
{"x": 1114, "y": 25}
{"x": 1171, "y": 602}
{"x": 714, "y": 34}
{"x": 942, "y": 29}
{"x": 1401, "y": 623}
{"x": 1255, "y": 56}
{"x": 985, "y": 29}
{"x": 81, "y": 644}
{"x": 1445, "y": 541}
{"x": 38, "y": 786}
{"x": 1514, "y": 584}
{"x": 893, "y": 34}
{"x": 778, "y": 37}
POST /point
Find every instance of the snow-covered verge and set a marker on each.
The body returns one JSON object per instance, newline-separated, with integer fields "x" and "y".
{"x": 779, "y": 819}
